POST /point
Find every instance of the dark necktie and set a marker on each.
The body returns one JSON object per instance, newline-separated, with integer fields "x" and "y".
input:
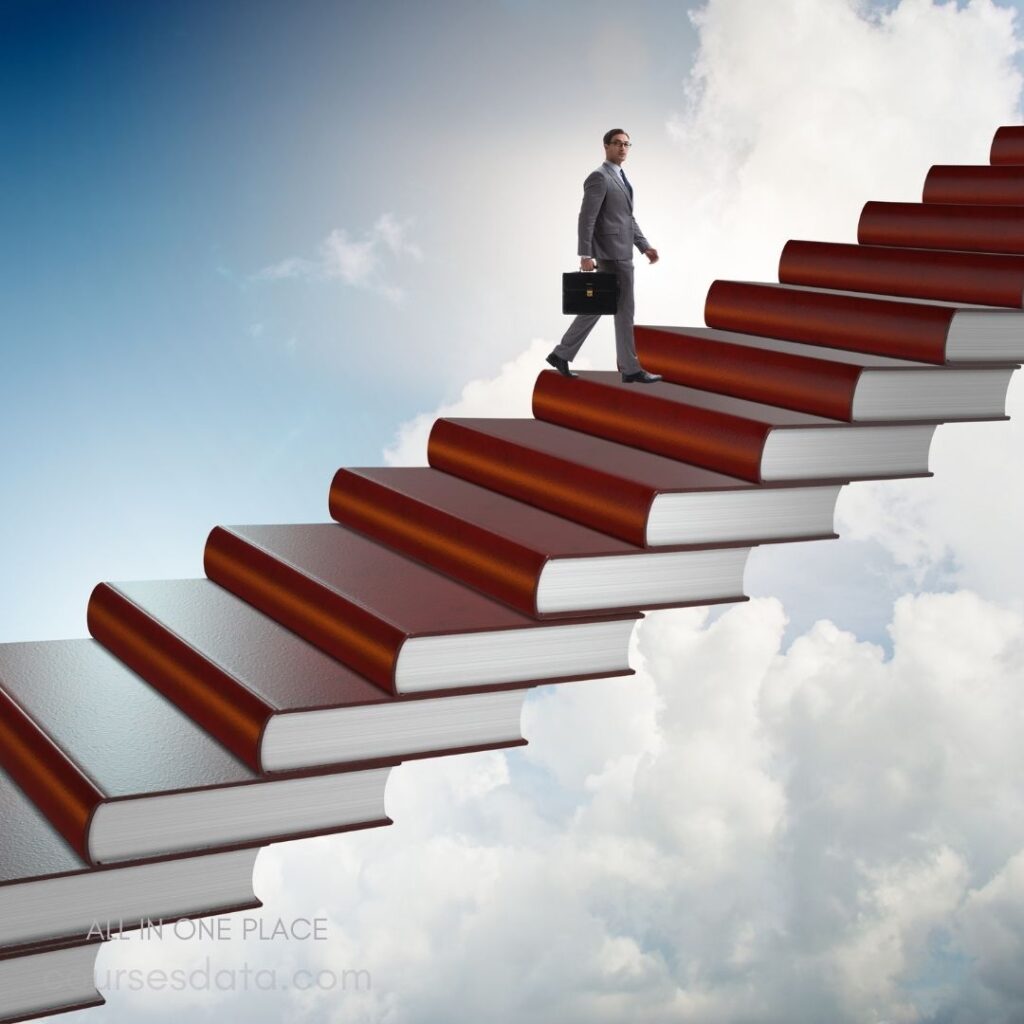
{"x": 625, "y": 181}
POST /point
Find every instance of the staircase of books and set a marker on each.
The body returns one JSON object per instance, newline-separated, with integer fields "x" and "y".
{"x": 270, "y": 700}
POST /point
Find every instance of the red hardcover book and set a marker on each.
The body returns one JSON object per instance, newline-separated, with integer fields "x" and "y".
{"x": 943, "y": 226}
{"x": 1008, "y": 145}
{"x": 275, "y": 701}
{"x": 540, "y": 563}
{"x": 746, "y": 439}
{"x": 404, "y": 626}
{"x": 643, "y": 498}
{"x": 49, "y": 894}
{"x": 123, "y": 775}
{"x": 978, "y": 186}
{"x": 848, "y": 386}
{"x": 924, "y": 332}
{"x": 983, "y": 278}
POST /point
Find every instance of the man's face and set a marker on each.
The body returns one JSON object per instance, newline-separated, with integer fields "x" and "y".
{"x": 617, "y": 150}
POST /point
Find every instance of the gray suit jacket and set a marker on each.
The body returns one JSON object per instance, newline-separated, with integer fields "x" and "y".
{"x": 607, "y": 228}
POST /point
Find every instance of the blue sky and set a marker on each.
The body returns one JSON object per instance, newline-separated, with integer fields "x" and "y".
{"x": 244, "y": 244}
{"x": 158, "y": 156}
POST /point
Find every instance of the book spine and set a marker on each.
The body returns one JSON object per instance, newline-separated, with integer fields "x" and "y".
{"x": 715, "y": 440}
{"x": 211, "y": 697}
{"x": 602, "y": 501}
{"x": 917, "y": 273}
{"x": 979, "y": 186}
{"x": 902, "y": 330}
{"x": 481, "y": 558}
{"x": 315, "y": 612}
{"x": 947, "y": 226}
{"x": 47, "y": 776}
{"x": 1007, "y": 145}
{"x": 776, "y": 378}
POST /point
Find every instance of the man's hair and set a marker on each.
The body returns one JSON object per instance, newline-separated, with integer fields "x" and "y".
{"x": 608, "y": 136}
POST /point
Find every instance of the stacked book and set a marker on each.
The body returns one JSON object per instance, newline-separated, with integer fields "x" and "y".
{"x": 142, "y": 769}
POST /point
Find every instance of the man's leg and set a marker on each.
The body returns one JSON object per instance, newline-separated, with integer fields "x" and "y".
{"x": 625, "y": 347}
{"x": 575, "y": 336}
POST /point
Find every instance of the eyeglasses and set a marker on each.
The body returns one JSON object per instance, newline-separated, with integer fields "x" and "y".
{"x": 619, "y": 142}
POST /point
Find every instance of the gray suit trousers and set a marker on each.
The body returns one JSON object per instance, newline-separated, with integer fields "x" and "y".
{"x": 625, "y": 348}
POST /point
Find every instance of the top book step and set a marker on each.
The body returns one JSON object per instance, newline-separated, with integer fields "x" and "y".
{"x": 1008, "y": 145}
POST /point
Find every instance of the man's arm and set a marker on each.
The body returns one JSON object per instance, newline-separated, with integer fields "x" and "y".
{"x": 593, "y": 196}
{"x": 638, "y": 238}
{"x": 642, "y": 244}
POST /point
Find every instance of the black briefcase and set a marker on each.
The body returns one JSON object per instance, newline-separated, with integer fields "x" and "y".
{"x": 590, "y": 292}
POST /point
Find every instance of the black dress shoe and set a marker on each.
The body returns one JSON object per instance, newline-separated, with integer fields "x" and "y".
{"x": 560, "y": 365}
{"x": 640, "y": 377}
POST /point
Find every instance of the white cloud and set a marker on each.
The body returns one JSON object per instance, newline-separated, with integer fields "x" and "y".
{"x": 768, "y": 835}
{"x": 991, "y": 929}
{"x": 966, "y": 519}
{"x": 355, "y": 262}
{"x": 745, "y": 833}
{"x": 508, "y": 393}
{"x": 796, "y": 113}
{"x": 393, "y": 234}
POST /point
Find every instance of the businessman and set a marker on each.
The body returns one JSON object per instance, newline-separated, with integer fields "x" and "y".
{"x": 607, "y": 233}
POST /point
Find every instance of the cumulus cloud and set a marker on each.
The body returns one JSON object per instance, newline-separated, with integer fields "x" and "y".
{"x": 745, "y": 833}
{"x": 740, "y": 832}
{"x": 963, "y": 524}
{"x": 358, "y": 262}
{"x": 796, "y": 113}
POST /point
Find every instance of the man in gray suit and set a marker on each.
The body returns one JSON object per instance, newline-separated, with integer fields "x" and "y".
{"x": 607, "y": 233}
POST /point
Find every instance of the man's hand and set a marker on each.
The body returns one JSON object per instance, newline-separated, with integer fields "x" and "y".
{"x": 586, "y": 263}
{"x": 652, "y": 255}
